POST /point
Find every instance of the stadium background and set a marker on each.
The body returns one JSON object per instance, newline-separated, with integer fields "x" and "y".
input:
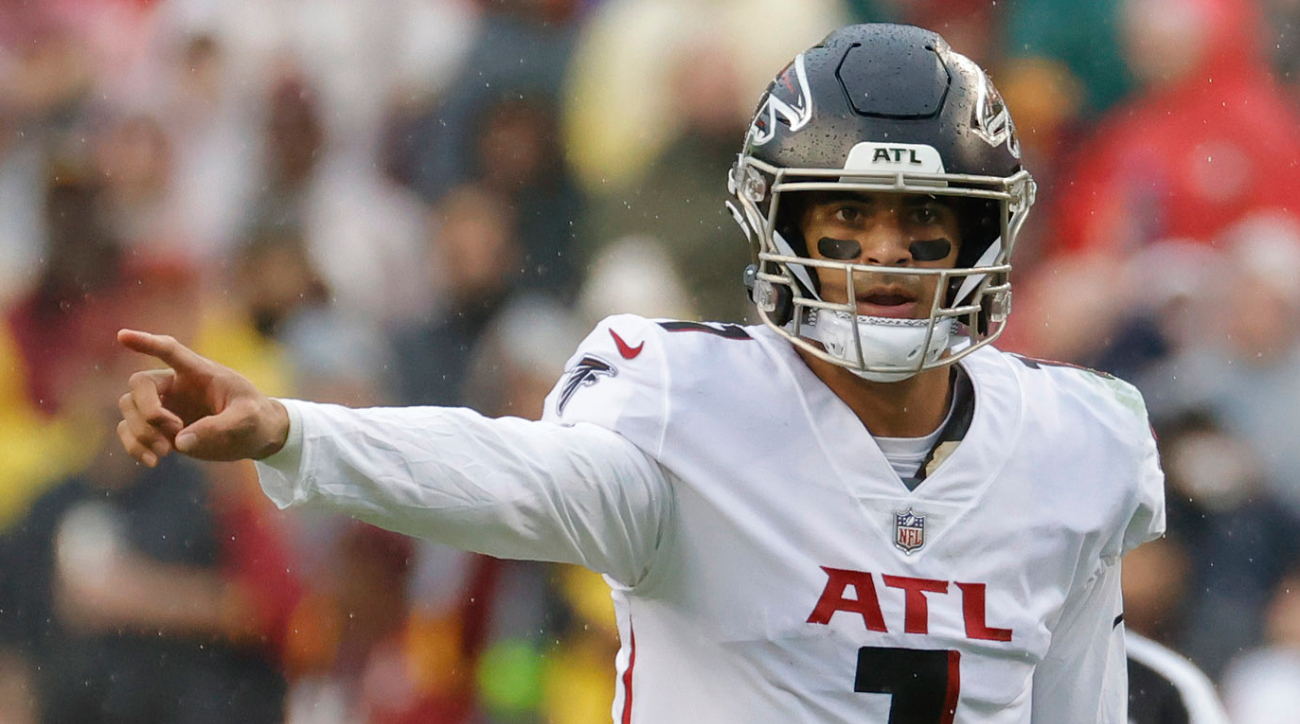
{"x": 431, "y": 201}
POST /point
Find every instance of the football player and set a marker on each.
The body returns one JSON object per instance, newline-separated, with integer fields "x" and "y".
{"x": 855, "y": 511}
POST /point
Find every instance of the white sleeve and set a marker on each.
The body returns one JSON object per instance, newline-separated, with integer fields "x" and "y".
{"x": 505, "y": 487}
{"x": 1148, "y": 521}
{"x": 1084, "y": 677}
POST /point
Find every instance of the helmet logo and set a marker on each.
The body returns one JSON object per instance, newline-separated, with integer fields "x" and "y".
{"x": 992, "y": 121}
{"x": 795, "y": 113}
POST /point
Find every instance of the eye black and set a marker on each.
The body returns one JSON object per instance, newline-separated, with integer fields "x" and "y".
{"x": 839, "y": 249}
{"x": 930, "y": 249}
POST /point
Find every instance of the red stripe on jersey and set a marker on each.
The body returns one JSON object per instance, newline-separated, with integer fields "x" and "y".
{"x": 954, "y": 688}
{"x": 627, "y": 678}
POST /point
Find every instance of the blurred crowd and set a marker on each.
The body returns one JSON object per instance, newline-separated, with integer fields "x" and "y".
{"x": 431, "y": 202}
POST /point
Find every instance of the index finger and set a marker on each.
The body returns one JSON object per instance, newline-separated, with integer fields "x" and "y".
{"x": 164, "y": 347}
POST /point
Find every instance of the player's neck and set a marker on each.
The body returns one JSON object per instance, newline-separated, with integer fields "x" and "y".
{"x": 914, "y": 407}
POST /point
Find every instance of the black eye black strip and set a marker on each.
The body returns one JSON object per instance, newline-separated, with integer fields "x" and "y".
{"x": 929, "y": 249}
{"x": 839, "y": 249}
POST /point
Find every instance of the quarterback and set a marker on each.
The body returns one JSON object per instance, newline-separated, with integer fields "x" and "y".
{"x": 858, "y": 510}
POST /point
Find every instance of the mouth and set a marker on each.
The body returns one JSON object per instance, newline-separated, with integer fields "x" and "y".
{"x": 888, "y": 302}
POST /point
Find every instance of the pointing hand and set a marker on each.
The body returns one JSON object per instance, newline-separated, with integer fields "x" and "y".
{"x": 196, "y": 406}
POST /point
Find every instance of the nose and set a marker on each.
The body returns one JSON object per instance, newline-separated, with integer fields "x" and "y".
{"x": 885, "y": 244}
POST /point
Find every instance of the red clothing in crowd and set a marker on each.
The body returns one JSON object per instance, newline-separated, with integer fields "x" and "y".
{"x": 1190, "y": 157}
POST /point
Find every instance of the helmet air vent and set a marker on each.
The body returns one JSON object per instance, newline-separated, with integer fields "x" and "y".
{"x": 889, "y": 78}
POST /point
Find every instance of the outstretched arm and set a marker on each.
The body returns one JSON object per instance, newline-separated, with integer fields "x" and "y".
{"x": 510, "y": 488}
{"x": 507, "y": 487}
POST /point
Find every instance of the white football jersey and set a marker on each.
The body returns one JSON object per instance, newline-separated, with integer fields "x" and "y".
{"x": 768, "y": 564}
{"x": 801, "y": 580}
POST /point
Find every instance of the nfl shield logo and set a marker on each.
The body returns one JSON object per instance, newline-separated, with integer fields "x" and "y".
{"x": 909, "y": 530}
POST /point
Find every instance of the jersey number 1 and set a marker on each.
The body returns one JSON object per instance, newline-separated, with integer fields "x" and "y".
{"x": 923, "y": 683}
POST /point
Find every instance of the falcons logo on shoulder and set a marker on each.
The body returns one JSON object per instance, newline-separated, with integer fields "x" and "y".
{"x": 585, "y": 373}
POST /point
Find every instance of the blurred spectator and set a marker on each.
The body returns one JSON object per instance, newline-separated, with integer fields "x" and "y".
{"x": 116, "y": 37}
{"x": 82, "y": 264}
{"x": 678, "y": 202}
{"x": 1165, "y": 313}
{"x": 518, "y": 158}
{"x": 522, "y": 47}
{"x": 294, "y": 138}
{"x": 634, "y": 275}
{"x": 1069, "y": 308}
{"x": 1243, "y": 364}
{"x": 622, "y": 102}
{"x": 361, "y": 231}
{"x": 270, "y": 281}
{"x": 495, "y": 125}
{"x": 212, "y": 127}
{"x": 1208, "y": 140}
{"x": 337, "y": 358}
{"x": 356, "y": 54}
{"x": 1263, "y": 684}
{"x": 134, "y": 159}
{"x": 473, "y": 255}
{"x": 1125, "y": 315}
{"x": 124, "y": 610}
{"x": 44, "y": 338}
{"x": 1238, "y": 539}
{"x": 357, "y": 646}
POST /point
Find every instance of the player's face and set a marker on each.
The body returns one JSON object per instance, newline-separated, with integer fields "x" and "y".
{"x": 882, "y": 229}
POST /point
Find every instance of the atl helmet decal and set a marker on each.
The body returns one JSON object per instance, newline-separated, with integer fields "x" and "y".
{"x": 909, "y": 530}
{"x": 992, "y": 121}
{"x": 585, "y": 373}
{"x": 796, "y": 113}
